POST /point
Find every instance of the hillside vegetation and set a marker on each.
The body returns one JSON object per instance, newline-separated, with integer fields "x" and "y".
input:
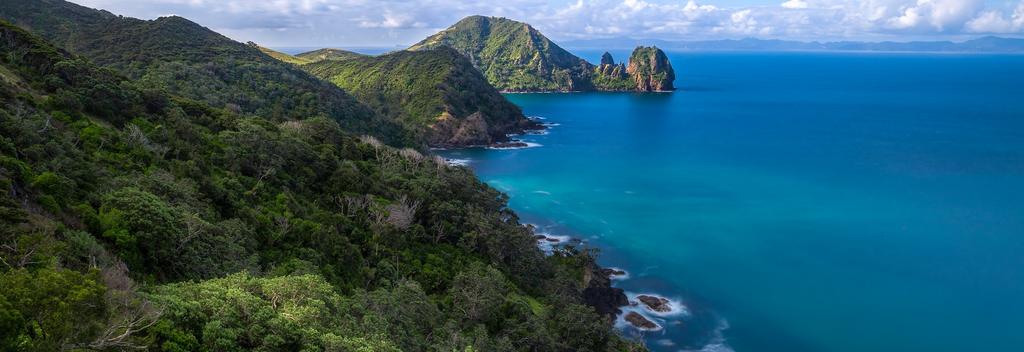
{"x": 434, "y": 91}
{"x": 174, "y": 54}
{"x": 513, "y": 55}
{"x": 135, "y": 219}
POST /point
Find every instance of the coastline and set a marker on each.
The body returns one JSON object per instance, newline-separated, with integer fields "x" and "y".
{"x": 585, "y": 91}
{"x": 612, "y": 286}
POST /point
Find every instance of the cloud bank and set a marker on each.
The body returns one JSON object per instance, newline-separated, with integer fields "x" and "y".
{"x": 394, "y": 22}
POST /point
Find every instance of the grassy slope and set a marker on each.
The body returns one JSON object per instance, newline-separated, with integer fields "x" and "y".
{"x": 294, "y": 60}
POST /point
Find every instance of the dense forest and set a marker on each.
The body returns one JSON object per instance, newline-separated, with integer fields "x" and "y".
{"x": 249, "y": 213}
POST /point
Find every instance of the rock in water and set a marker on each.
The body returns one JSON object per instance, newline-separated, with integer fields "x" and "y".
{"x": 612, "y": 272}
{"x": 650, "y": 69}
{"x": 606, "y": 59}
{"x": 657, "y": 304}
{"x": 640, "y": 321}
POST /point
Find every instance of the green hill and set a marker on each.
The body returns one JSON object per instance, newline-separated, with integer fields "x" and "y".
{"x": 514, "y": 56}
{"x": 134, "y": 219}
{"x": 329, "y": 54}
{"x": 174, "y": 54}
{"x": 294, "y": 60}
{"x": 437, "y": 92}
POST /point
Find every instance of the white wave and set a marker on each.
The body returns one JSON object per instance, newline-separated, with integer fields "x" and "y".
{"x": 546, "y": 193}
{"x": 537, "y": 132}
{"x": 665, "y": 342}
{"x": 537, "y": 118}
{"x": 457, "y": 162}
{"x": 717, "y": 343}
{"x": 624, "y": 276}
{"x": 713, "y": 347}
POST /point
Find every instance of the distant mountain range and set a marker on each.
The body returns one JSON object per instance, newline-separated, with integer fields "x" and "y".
{"x": 980, "y": 45}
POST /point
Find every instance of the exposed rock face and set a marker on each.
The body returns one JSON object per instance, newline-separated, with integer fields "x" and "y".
{"x": 648, "y": 71}
{"x": 651, "y": 70}
{"x": 601, "y": 295}
{"x": 640, "y": 322}
{"x": 449, "y": 131}
{"x": 606, "y": 59}
{"x": 657, "y": 304}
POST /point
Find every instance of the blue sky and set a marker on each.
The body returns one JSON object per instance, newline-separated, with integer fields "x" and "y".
{"x": 281, "y": 23}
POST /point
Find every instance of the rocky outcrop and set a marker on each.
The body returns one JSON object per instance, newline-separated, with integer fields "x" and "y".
{"x": 650, "y": 70}
{"x": 657, "y": 304}
{"x": 474, "y": 130}
{"x": 640, "y": 322}
{"x": 450, "y": 131}
{"x": 611, "y": 77}
{"x": 600, "y": 294}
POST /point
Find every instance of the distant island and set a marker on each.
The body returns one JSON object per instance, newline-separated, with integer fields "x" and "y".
{"x": 988, "y": 44}
{"x": 515, "y": 57}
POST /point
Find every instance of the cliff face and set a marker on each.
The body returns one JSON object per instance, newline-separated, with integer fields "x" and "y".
{"x": 435, "y": 93}
{"x": 650, "y": 69}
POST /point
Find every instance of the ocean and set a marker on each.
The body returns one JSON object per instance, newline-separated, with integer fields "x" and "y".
{"x": 795, "y": 201}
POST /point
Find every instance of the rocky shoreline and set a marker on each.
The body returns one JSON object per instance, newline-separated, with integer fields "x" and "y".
{"x": 600, "y": 293}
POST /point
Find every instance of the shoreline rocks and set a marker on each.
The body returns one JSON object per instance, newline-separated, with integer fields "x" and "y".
{"x": 654, "y": 303}
{"x": 600, "y": 294}
{"x": 509, "y": 144}
{"x": 640, "y": 322}
{"x": 613, "y": 272}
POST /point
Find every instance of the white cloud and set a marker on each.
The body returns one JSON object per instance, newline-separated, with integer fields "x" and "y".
{"x": 795, "y": 4}
{"x": 366, "y": 22}
{"x": 996, "y": 22}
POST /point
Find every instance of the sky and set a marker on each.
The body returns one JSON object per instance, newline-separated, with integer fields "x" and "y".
{"x": 387, "y": 23}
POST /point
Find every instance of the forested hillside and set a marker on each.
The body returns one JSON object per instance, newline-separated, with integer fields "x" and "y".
{"x": 175, "y": 54}
{"x": 513, "y": 55}
{"x": 437, "y": 92}
{"x": 131, "y": 218}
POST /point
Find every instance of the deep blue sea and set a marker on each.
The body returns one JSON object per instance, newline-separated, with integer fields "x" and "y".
{"x": 796, "y": 201}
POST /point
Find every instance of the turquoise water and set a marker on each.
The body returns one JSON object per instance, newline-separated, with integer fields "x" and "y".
{"x": 808, "y": 202}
